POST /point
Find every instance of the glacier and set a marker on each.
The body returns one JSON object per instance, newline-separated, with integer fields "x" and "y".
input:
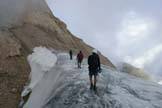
{"x": 65, "y": 86}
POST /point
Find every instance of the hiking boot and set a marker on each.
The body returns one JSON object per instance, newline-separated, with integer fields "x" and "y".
{"x": 94, "y": 88}
{"x": 91, "y": 87}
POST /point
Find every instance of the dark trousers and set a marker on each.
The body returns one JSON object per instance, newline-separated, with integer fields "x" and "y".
{"x": 79, "y": 64}
{"x": 71, "y": 56}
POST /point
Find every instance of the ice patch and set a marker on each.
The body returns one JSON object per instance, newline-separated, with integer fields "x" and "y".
{"x": 43, "y": 57}
{"x": 41, "y": 61}
{"x": 160, "y": 82}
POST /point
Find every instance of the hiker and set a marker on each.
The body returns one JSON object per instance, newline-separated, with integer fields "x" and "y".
{"x": 80, "y": 57}
{"x": 71, "y": 54}
{"x": 94, "y": 68}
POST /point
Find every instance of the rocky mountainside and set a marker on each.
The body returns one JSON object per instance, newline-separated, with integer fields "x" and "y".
{"x": 132, "y": 70}
{"x": 33, "y": 26}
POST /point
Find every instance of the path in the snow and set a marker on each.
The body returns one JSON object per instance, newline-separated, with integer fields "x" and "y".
{"x": 75, "y": 93}
{"x": 115, "y": 90}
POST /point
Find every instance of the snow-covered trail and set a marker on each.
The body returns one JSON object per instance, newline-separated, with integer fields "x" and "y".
{"x": 66, "y": 86}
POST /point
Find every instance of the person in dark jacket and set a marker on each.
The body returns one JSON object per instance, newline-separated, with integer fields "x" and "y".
{"x": 80, "y": 57}
{"x": 94, "y": 68}
{"x": 71, "y": 54}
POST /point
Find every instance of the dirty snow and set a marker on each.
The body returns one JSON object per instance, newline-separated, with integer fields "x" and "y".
{"x": 41, "y": 61}
{"x": 66, "y": 86}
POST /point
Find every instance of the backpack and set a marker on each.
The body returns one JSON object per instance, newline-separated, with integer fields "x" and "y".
{"x": 93, "y": 61}
{"x": 80, "y": 56}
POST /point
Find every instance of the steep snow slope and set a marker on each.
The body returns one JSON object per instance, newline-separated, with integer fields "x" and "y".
{"x": 66, "y": 86}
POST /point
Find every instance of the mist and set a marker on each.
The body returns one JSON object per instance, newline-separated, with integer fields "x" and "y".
{"x": 15, "y": 11}
{"x": 125, "y": 31}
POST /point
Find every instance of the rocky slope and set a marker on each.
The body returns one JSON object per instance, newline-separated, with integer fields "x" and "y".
{"x": 130, "y": 69}
{"x": 34, "y": 26}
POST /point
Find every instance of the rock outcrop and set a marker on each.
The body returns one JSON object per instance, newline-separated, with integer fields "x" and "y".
{"x": 35, "y": 26}
{"x": 140, "y": 73}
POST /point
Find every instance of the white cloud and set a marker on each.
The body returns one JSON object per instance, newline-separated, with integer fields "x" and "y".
{"x": 147, "y": 57}
{"x": 160, "y": 82}
{"x": 134, "y": 28}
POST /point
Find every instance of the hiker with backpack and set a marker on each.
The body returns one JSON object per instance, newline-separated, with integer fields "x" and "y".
{"x": 71, "y": 54}
{"x": 80, "y": 57}
{"x": 94, "y": 68}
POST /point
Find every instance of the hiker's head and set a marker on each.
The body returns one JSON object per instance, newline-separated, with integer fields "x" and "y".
{"x": 94, "y": 51}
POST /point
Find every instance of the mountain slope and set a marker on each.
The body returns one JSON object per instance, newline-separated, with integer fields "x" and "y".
{"x": 23, "y": 27}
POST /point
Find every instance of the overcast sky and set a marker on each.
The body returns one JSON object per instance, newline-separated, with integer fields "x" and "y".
{"x": 123, "y": 30}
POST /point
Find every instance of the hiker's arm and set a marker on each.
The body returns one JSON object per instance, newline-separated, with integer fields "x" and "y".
{"x": 88, "y": 60}
{"x": 99, "y": 63}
